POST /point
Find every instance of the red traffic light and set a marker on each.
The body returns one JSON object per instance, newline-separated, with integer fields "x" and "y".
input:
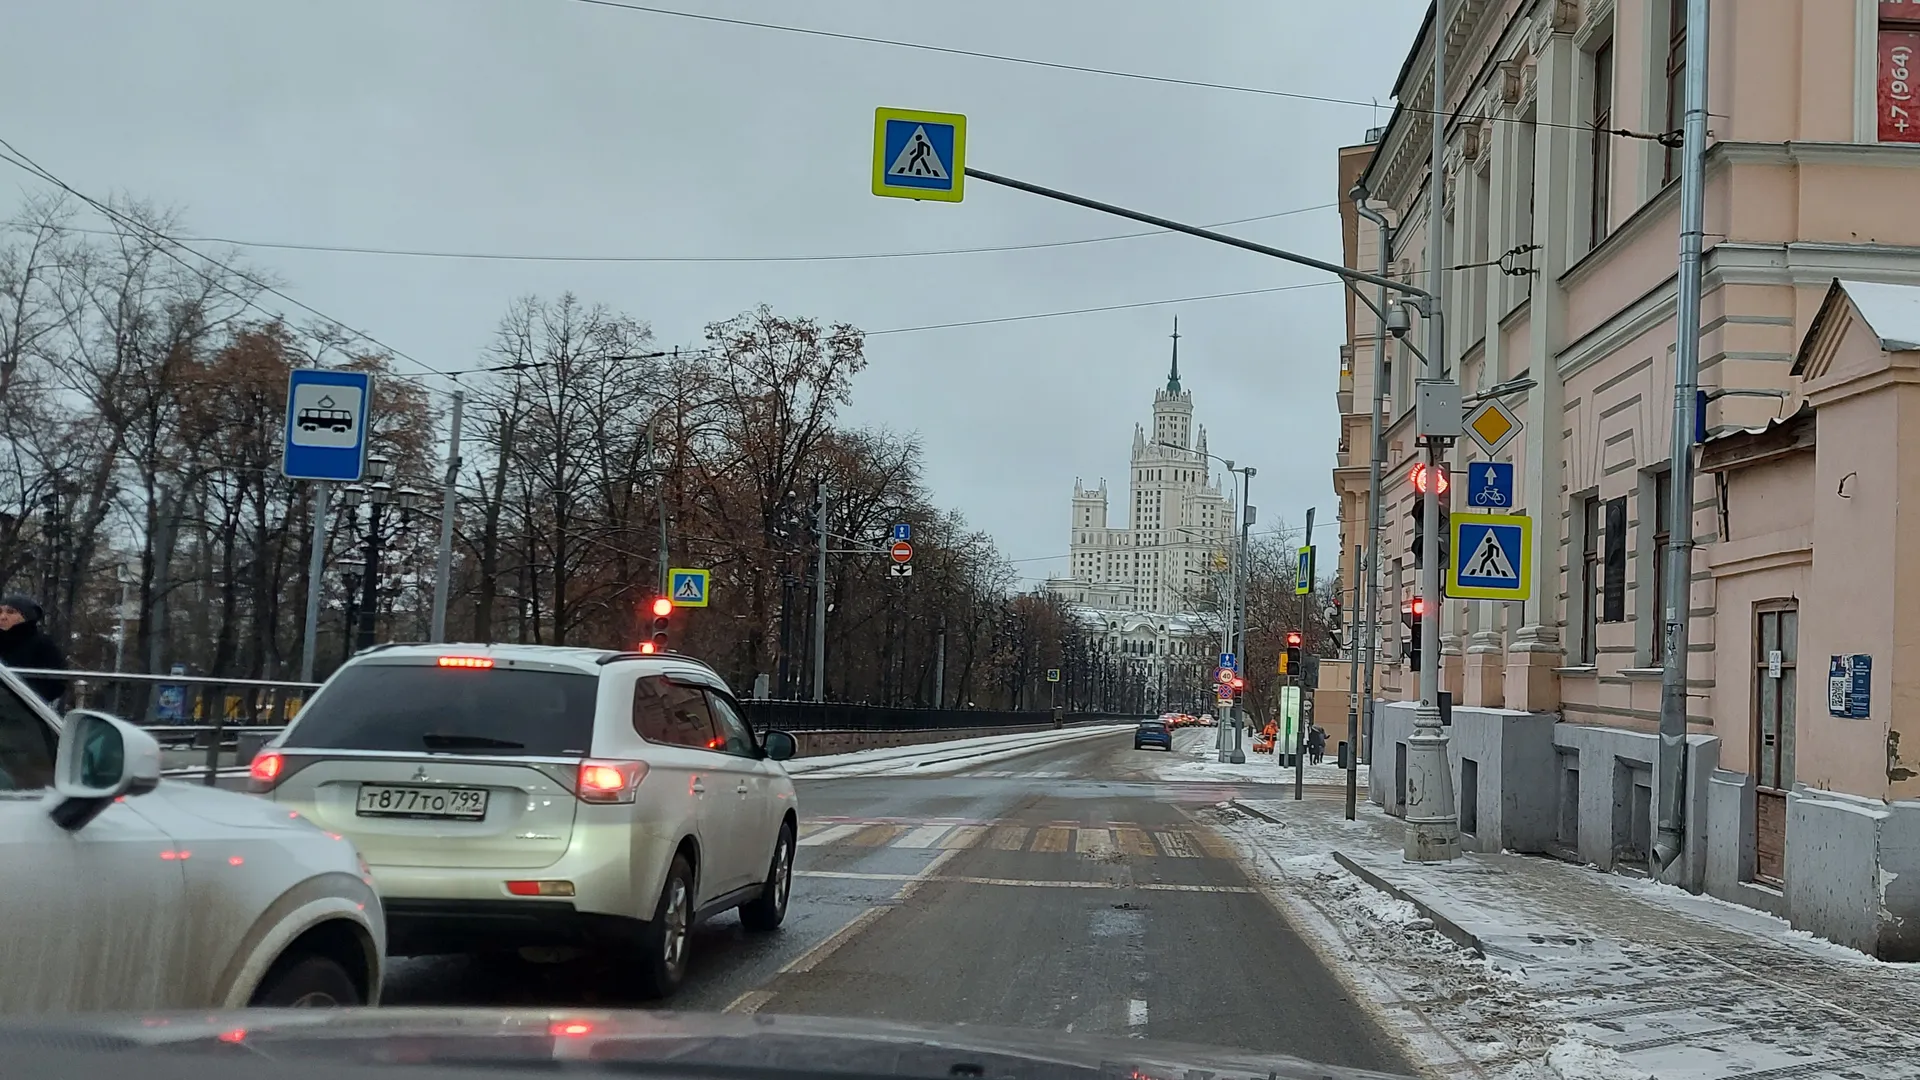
{"x": 1239, "y": 683}
{"x": 1293, "y": 639}
{"x": 662, "y": 606}
{"x": 1419, "y": 605}
{"x": 1419, "y": 478}
{"x": 646, "y": 648}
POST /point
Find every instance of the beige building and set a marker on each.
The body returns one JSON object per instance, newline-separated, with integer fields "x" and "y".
{"x": 1564, "y": 233}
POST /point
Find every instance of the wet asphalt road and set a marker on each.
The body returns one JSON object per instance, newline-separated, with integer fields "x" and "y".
{"x": 1064, "y": 890}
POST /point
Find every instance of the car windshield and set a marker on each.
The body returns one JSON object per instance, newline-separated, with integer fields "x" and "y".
{"x": 413, "y": 708}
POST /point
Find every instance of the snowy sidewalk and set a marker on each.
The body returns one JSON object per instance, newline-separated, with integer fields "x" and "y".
{"x": 1585, "y": 976}
{"x": 1194, "y": 758}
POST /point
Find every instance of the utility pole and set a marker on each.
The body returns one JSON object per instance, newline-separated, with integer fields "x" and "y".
{"x": 820, "y": 598}
{"x": 443, "y": 568}
{"x": 1379, "y": 454}
{"x": 1671, "y": 826}
{"x": 1433, "y": 829}
{"x": 316, "y": 567}
{"x": 940, "y": 665}
{"x": 1306, "y": 688}
{"x": 1353, "y": 694}
{"x": 662, "y": 557}
{"x": 1227, "y": 613}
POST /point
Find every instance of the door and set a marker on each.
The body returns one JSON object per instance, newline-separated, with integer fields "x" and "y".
{"x": 84, "y": 915}
{"x": 750, "y": 777}
{"x": 1776, "y": 626}
{"x": 677, "y": 714}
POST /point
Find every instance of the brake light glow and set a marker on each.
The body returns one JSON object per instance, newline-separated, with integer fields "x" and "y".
{"x": 573, "y": 1028}
{"x": 609, "y": 781}
{"x": 265, "y": 770}
{"x": 466, "y": 661}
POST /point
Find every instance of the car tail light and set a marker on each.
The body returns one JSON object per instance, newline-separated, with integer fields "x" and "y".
{"x": 609, "y": 781}
{"x": 466, "y": 661}
{"x": 265, "y": 771}
{"x": 540, "y": 888}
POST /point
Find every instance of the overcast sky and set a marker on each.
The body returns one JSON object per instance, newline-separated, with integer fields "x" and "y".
{"x": 560, "y": 127}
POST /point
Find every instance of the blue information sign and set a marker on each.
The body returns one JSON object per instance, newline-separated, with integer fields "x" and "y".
{"x": 1490, "y": 484}
{"x": 326, "y": 434}
{"x": 903, "y": 531}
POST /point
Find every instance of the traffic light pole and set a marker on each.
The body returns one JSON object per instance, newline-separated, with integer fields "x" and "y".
{"x": 1433, "y": 830}
{"x": 820, "y": 597}
{"x": 1306, "y": 690}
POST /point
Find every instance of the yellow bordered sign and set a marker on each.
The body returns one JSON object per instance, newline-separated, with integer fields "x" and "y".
{"x": 1491, "y": 557}
{"x": 919, "y": 155}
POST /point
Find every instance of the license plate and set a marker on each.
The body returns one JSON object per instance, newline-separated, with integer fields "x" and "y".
{"x": 382, "y": 800}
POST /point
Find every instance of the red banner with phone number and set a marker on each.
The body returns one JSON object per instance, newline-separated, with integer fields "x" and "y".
{"x": 1900, "y": 11}
{"x": 1894, "y": 96}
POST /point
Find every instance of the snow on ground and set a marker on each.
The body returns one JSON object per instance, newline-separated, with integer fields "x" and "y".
{"x": 1585, "y": 976}
{"x": 934, "y": 759}
{"x": 1194, "y": 758}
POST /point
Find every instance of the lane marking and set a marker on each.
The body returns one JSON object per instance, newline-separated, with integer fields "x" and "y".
{"x": 961, "y": 879}
{"x": 1134, "y": 842}
{"x": 809, "y": 828}
{"x": 1010, "y": 838}
{"x": 1094, "y": 840}
{"x": 923, "y": 837}
{"x": 750, "y": 1002}
{"x": 829, "y": 835}
{"x": 1052, "y": 838}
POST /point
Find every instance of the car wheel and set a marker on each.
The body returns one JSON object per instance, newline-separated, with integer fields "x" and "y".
{"x": 306, "y": 982}
{"x": 663, "y": 946}
{"x": 768, "y": 910}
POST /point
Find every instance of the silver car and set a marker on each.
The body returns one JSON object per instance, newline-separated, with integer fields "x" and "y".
{"x": 512, "y": 796}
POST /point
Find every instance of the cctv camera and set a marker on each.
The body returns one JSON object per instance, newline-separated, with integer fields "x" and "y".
{"x": 1399, "y": 320}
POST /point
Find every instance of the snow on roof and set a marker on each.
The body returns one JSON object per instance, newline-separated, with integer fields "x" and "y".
{"x": 1893, "y": 311}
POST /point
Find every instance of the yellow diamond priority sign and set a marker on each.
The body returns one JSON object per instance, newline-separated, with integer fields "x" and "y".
{"x": 1493, "y": 426}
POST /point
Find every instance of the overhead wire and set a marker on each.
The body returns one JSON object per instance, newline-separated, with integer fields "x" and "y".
{"x": 1087, "y": 69}
{"x": 163, "y": 243}
{"x": 483, "y": 256}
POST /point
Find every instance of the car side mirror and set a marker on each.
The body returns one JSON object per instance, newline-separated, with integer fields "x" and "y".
{"x": 101, "y": 758}
{"x": 781, "y": 745}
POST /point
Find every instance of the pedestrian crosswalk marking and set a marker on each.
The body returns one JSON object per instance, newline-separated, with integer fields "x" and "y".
{"x": 876, "y": 835}
{"x": 829, "y": 835}
{"x": 1052, "y": 839}
{"x": 963, "y": 837}
{"x": 1031, "y": 883}
{"x": 1093, "y": 840}
{"x": 923, "y": 837}
{"x": 1060, "y": 837}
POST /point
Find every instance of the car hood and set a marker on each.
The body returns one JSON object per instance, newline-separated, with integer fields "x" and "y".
{"x": 229, "y": 808}
{"x": 331, "y": 1043}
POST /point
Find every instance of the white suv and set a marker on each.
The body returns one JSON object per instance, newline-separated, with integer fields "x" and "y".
{"x": 510, "y": 796}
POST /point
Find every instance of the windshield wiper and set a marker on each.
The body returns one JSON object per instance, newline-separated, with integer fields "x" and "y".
{"x": 437, "y": 741}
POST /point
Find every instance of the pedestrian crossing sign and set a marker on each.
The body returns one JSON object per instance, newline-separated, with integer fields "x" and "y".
{"x": 919, "y": 155}
{"x": 1490, "y": 557}
{"x": 689, "y": 587}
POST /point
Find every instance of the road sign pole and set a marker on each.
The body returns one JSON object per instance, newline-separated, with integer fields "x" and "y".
{"x": 1433, "y": 831}
{"x": 316, "y": 567}
{"x": 443, "y": 565}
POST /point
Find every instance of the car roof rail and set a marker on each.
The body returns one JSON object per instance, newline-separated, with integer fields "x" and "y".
{"x": 383, "y": 646}
{"x": 629, "y": 654}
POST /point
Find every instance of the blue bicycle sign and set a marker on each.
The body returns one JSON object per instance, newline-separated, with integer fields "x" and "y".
{"x": 1490, "y": 484}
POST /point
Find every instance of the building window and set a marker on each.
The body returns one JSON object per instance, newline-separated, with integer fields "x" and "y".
{"x": 1676, "y": 83}
{"x": 1591, "y": 579}
{"x": 1599, "y": 168}
{"x": 1662, "y": 542}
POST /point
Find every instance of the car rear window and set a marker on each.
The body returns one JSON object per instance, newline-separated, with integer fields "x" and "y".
{"x": 1153, "y": 725}
{"x": 416, "y": 709}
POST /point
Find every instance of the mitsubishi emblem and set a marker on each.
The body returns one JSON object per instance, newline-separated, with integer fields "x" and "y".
{"x": 420, "y": 772}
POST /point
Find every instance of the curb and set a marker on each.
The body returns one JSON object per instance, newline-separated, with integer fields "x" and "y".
{"x": 1245, "y": 809}
{"x": 1460, "y": 935}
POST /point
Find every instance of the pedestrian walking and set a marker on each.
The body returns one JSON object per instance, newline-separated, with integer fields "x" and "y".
{"x": 23, "y": 644}
{"x": 1316, "y": 743}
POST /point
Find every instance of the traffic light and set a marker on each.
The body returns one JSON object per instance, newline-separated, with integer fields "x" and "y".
{"x": 1294, "y": 640}
{"x": 1418, "y": 514}
{"x": 662, "y": 609}
{"x": 1412, "y": 617}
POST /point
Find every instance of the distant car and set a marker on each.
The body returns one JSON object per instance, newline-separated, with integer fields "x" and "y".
{"x": 1152, "y": 733}
{"x": 517, "y": 796}
{"x": 120, "y": 892}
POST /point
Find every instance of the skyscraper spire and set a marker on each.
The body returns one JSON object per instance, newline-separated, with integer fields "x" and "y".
{"x": 1173, "y": 377}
